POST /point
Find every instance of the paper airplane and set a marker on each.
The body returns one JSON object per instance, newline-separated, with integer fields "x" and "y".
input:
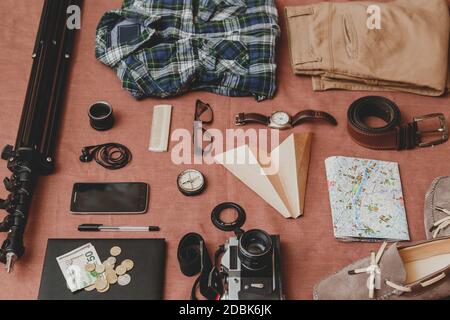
{"x": 281, "y": 182}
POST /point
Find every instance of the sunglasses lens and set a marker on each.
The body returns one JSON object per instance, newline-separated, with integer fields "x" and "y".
{"x": 204, "y": 112}
{"x": 205, "y": 144}
{"x": 208, "y": 145}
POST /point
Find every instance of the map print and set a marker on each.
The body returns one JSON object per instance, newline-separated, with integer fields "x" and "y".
{"x": 366, "y": 200}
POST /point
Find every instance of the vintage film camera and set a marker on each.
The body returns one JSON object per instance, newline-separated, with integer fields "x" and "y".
{"x": 251, "y": 266}
{"x": 251, "y": 260}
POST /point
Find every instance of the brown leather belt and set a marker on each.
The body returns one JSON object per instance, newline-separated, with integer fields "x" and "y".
{"x": 394, "y": 135}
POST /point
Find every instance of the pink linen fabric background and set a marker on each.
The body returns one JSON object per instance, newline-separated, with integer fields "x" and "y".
{"x": 309, "y": 249}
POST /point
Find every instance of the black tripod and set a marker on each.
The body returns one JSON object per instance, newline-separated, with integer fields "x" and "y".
{"x": 33, "y": 154}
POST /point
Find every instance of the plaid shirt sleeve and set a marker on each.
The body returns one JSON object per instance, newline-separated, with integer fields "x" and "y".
{"x": 164, "y": 48}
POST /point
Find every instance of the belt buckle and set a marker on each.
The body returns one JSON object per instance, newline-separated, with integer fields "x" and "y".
{"x": 443, "y": 128}
{"x": 238, "y": 120}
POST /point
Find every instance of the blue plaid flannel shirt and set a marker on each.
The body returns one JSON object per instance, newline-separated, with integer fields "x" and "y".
{"x": 164, "y": 48}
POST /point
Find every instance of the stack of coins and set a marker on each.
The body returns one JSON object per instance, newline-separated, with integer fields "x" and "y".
{"x": 109, "y": 272}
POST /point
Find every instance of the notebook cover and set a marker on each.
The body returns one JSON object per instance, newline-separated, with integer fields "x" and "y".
{"x": 147, "y": 276}
{"x": 366, "y": 200}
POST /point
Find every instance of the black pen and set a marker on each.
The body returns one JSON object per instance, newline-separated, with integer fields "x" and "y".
{"x": 100, "y": 227}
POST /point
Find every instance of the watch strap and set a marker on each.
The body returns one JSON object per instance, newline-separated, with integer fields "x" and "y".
{"x": 307, "y": 115}
{"x": 244, "y": 118}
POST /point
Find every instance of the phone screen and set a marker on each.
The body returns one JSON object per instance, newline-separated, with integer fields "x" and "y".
{"x": 110, "y": 198}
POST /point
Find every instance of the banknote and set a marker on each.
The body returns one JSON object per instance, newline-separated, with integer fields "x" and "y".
{"x": 73, "y": 266}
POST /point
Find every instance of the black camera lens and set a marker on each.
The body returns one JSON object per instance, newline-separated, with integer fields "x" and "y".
{"x": 101, "y": 116}
{"x": 255, "y": 249}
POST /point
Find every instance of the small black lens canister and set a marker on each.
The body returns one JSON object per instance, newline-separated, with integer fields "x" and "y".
{"x": 101, "y": 116}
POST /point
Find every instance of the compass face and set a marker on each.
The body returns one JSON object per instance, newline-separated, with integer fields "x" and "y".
{"x": 191, "y": 182}
{"x": 280, "y": 118}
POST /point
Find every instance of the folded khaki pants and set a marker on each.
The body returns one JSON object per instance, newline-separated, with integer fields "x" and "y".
{"x": 333, "y": 43}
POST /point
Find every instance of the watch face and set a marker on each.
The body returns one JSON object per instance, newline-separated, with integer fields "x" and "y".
{"x": 280, "y": 118}
{"x": 191, "y": 181}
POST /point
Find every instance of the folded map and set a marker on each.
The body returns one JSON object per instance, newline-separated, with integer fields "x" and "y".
{"x": 366, "y": 200}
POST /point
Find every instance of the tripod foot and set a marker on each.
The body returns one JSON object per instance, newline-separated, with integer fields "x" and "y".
{"x": 10, "y": 260}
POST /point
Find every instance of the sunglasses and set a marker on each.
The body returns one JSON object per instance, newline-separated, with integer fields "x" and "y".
{"x": 205, "y": 116}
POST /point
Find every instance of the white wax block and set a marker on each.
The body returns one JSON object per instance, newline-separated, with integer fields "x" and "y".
{"x": 159, "y": 140}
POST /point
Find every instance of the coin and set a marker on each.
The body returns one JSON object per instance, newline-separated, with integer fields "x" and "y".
{"x": 111, "y": 260}
{"x": 90, "y": 288}
{"x": 100, "y": 268}
{"x": 109, "y": 267}
{"x": 108, "y": 263}
{"x": 111, "y": 277}
{"x": 124, "y": 280}
{"x": 101, "y": 284}
{"x": 115, "y": 251}
{"x": 128, "y": 264}
{"x": 104, "y": 290}
{"x": 121, "y": 270}
{"x": 90, "y": 267}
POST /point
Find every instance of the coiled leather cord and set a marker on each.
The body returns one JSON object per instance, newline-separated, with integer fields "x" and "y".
{"x": 111, "y": 156}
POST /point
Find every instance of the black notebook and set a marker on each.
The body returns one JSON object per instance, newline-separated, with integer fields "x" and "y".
{"x": 149, "y": 256}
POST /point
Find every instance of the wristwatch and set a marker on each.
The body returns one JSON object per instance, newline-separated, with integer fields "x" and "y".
{"x": 282, "y": 120}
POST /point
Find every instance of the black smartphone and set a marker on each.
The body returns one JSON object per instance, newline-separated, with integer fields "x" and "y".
{"x": 110, "y": 198}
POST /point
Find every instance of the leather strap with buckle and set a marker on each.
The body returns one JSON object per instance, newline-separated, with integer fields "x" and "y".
{"x": 194, "y": 259}
{"x": 394, "y": 135}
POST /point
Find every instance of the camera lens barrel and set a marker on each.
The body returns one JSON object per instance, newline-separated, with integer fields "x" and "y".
{"x": 255, "y": 249}
{"x": 101, "y": 116}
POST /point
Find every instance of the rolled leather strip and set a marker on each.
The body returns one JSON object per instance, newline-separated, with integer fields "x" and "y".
{"x": 194, "y": 259}
{"x": 189, "y": 254}
{"x": 392, "y": 136}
